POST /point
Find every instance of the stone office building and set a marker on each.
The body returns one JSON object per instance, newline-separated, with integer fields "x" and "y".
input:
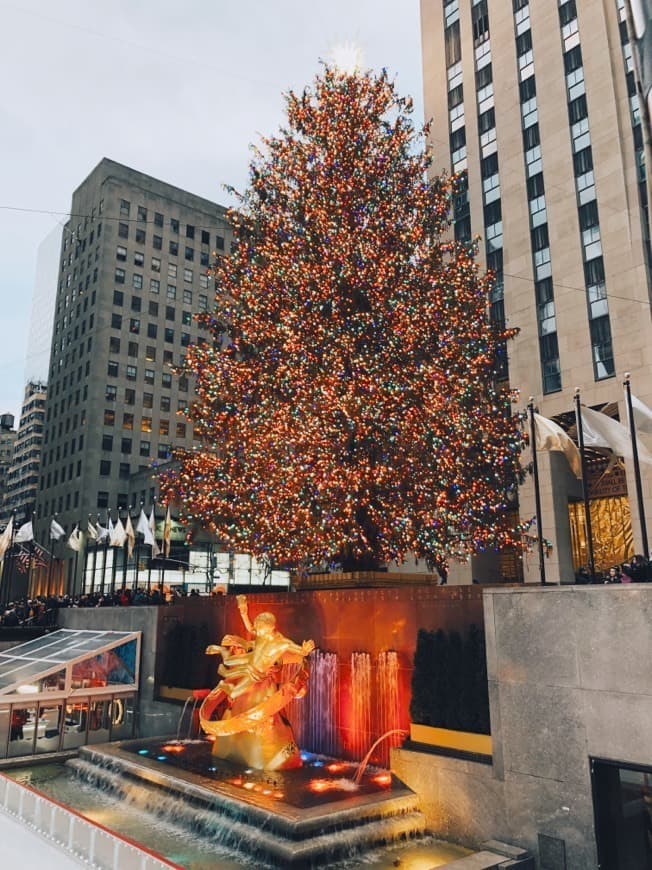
{"x": 536, "y": 106}
{"x": 133, "y": 271}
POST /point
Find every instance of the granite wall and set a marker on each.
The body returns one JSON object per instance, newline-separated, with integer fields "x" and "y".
{"x": 569, "y": 679}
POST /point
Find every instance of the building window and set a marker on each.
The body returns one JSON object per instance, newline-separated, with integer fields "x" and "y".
{"x": 146, "y": 424}
{"x": 173, "y": 249}
{"x": 134, "y": 325}
{"x": 136, "y": 303}
{"x": 105, "y": 467}
{"x": 119, "y": 276}
{"x": 137, "y": 281}
{"x": 157, "y": 244}
{"x": 130, "y": 396}
{"x": 550, "y": 367}
{"x": 150, "y": 350}
{"x": 603, "y": 357}
{"x": 190, "y": 231}
{"x": 125, "y": 445}
{"x": 181, "y": 430}
{"x": 153, "y": 308}
{"x": 124, "y": 208}
{"x": 114, "y": 344}
{"x": 110, "y": 393}
{"x": 124, "y": 471}
{"x": 109, "y": 417}
{"x": 203, "y": 282}
{"x": 165, "y": 403}
{"x": 142, "y": 214}
{"x": 127, "y": 421}
{"x": 203, "y": 302}
{"x": 145, "y": 447}
{"x": 154, "y": 286}
{"x": 174, "y": 225}
{"x": 166, "y": 380}
{"x": 148, "y": 400}
{"x": 171, "y": 291}
{"x": 132, "y": 349}
{"x": 187, "y": 297}
{"x": 158, "y": 219}
{"x": 164, "y": 427}
{"x": 149, "y": 376}
{"x": 132, "y": 373}
{"x": 102, "y": 499}
{"x": 163, "y": 451}
{"x": 121, "y": 254}
{"x": 186, "y": 318}
{"x": 118, "y": 297}
{"x": 185, "y": 336}
{"x": 107, "y": 442}
{"x": 152, "y": 330}
{"x": 116, "y": 321}
{"x": 189, "y": 253}
{"x": 123, "y": 230}
{"x": 169, "y": 335}
{"x": 187, "y": 276}
{"x": 452, "y": 43}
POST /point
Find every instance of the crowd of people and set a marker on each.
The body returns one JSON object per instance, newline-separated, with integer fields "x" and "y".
{"x": 42, "y": 610}
{"x": 637, "y": 570}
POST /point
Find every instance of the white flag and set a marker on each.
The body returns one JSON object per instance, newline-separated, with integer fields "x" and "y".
{"x": 642, "y": 415}
{"x": 152, "y": 526}
{"x": 602, "y": 431}
{"x": 56, "y": 531}
{"x": 92, "y": 532}
{"x": 118, "y": 535}
{"x": 5, "y": 538}
{"x": 102, "y": 533}
{"x": 75, "y": 539}
{"x": 131, "y": 537}
{"x": 144, "y": 529}
{"x": 167, "y": 533}
{"x": 550, "y": 436}
{"x": 25, "y": 533}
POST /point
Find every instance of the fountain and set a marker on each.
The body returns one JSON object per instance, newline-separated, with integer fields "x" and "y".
{"x": 247, "y": 782}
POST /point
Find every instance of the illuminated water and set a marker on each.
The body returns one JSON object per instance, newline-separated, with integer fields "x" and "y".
{"x": 186, "y": 848}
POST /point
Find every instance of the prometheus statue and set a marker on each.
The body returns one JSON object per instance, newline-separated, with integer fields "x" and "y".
{"x": 244, "y": 712}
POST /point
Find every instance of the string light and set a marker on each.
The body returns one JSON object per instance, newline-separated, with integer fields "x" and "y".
{"x": 346, "y": 404}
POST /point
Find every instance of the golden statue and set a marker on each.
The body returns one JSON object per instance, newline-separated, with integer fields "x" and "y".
{"x": 252, "y": 729}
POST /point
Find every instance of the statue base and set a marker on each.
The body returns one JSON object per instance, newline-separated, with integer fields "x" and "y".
{"x": 270, "y": 747}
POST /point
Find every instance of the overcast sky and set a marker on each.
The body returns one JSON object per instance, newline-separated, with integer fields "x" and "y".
{"x": 176, "y": 90}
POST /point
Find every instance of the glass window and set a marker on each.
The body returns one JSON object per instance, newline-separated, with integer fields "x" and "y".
{"x": 150, "y": 353}
{"x": 141, "y": 237}
{"x": 156, "y": 264}
{"x": 171, "y": 291}
{"x": 110, "y": 393}
{"x": 124, "y": 207}
{"x": 75, "y": 723}
{"x": 148, "y": 400}
{"x": 149, "y": 376}
{"x": 154, "y": 286}
{"x": 49, "y": 727}
{"x": 23, "y": 731}
{"x": 107, "y": 442}
{"x": 123, "y": 230}
{"x": 134, "y": 325}
{"x": 119, "y": 276}
{"x": 105, "y": 468}
{"x": 137, "y": 281}
{"x": 132, "y": 373}
{"x": 125, "y": 445}
{"x": 169, "y": 335}
{"x": 164, "y": 427}
{"x": 166, "y": 380}
{"x": 127, "y": 421}
{"x": 152, "y": 330}
{"x": 219, "y": 243}
{"x": 174, "y": 249}
{"x": 145, "y": 448}
{"x": 146, "y": 424}
{"x": 189, "y": 254}
{"x": 142, "y": 214}
{"x": 158, "y": 219}
{"x": 109, "y": 417}
{"x": 121, "y": 254}
{"x": 165, "y": 403}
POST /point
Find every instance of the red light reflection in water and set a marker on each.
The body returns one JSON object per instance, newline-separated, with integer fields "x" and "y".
{"x": 173, "y": 748}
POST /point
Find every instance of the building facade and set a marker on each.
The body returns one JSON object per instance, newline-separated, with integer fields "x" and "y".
{"x": 7, "y": 439}
{"x": 133, "y": 271}
{"x": 23, "y": 475}
{"x": 535, "y": 105}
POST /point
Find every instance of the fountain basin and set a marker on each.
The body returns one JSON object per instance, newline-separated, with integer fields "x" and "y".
{"x": 280, "y": 818}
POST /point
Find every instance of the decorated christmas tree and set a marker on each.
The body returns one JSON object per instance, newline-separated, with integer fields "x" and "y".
{"x": 346, "y": 405}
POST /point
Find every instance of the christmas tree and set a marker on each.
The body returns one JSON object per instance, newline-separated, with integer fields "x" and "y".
{"x": 346, "y": 405}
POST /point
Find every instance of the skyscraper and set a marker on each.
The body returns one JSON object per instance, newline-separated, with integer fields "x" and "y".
{"x": 23, "y": 474}
{"x": 536, "y": 106}
{"x": 132, "y": 272}
{"x": 7, "y": 440}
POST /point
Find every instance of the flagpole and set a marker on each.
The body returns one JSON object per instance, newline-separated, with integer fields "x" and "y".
{"x": 51, "y": 565}
{"x": 113, "y": 562}
{"x": 637, "y": 467}
{"x": 106, "y": 549}
{"x": 585, "y": 488}
{"x": 94, "y": 560}
{"x": 537, "y": 491}
{"x": 30, "y": 578}
{"x": 6, "y": 597}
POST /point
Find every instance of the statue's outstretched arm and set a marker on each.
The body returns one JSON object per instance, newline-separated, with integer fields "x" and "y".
{"x": 244, "y": 611}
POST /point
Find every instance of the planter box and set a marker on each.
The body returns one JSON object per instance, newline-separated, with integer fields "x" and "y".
{"x": 463, "y": 741}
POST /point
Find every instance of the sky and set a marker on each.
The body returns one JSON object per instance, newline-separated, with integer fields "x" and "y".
{"x": 176, "y": 90}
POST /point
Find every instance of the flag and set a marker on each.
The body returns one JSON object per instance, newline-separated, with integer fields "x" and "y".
{"x": 145, "y": 530}
{"x": 5, "y": 538}
{"x": 102, "y": 532}
{"x": 118, "y": 534}
{"x": 642, "y": 415}
{"x": 131, "y": 537}
{"x": 152, "y": 527}
{"x": 75, "y": 539}
{"x": 92, "y": 531}
{"x": 550, "y": 436}
{"x": 167, "y": 533}
{"x": 56, "y": 531}
{"x": 25, "y": 533}
{"x": 602, "y": 431}
{"x": 23, "y": 560}
{"x": 41, "y": 556}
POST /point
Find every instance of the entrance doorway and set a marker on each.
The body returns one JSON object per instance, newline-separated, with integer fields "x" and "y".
{"x": 622, "y": 806}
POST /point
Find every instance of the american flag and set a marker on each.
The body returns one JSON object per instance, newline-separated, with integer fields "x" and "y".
{"x": 37, "y": 557}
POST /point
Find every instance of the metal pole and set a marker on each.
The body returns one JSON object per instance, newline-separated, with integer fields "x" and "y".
{"x": 585, "y": 488}
{"x": 637, "y": 468}
{"x": 537, "y": 491}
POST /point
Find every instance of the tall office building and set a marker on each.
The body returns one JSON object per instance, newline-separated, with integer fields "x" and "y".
{"x": 536, "y": 105}
{"x": 23, "y": 474}
{"x": 7, "y": 440}
{"x": 132, "y": 272}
